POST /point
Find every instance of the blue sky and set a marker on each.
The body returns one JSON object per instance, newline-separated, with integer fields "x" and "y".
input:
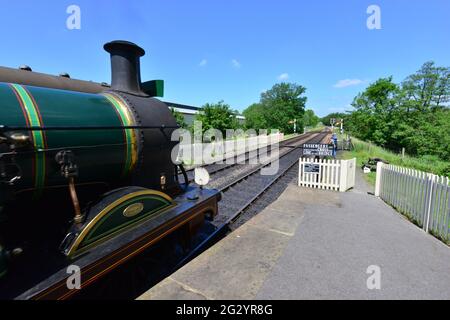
{"x": 233, "y": 50}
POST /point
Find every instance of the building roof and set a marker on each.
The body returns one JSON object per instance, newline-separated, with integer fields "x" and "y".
{"x": 191, "y": 109}
{"x": 181, "y": 106}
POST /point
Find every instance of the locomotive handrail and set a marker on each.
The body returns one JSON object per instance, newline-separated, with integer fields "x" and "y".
{"x": 74, "y": 128}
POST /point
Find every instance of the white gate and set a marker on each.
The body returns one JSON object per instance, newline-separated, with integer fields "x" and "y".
{"x": 327, "y": 174}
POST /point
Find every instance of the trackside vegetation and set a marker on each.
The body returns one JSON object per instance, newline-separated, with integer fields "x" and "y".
{"x": 279, "y": 107}
{"x": 282, "y": 108}
{"x": 414, "y": 115}
{"x": 362, "y": 151}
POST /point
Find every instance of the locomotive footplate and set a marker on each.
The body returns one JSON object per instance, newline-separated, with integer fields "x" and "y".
{"x": 118, "y": 249}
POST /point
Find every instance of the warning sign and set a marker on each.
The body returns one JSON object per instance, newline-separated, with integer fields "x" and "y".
{"x": 312, "y": 168}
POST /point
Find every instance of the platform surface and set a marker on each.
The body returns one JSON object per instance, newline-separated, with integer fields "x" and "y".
{"x": 314, "y": 244}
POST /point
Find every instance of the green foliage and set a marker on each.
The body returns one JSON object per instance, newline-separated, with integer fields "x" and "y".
{"x": 375, "y": 109}
{"x": 179, "y": 118}
{"x": 277, "y": 108}
{"x": 413, "y": 115}
{"x": 255, "y": 117}
{"x": 310, "y": 119}
{"x": 217, "y": 116}
{"x": 363, "y": 151}
{"x": 336, "y": 115}
{"x": 428, "y": 88}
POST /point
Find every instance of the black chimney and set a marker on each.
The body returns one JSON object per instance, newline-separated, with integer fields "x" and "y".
{"x": 125, "y": 66}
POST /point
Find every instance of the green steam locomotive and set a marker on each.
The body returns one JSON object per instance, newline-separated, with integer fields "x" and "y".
{"x": 86, "y": 176}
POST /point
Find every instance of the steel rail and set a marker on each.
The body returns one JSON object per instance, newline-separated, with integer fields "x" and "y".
{"x": 224, "y": 227}
{"x": 225, "y": 166}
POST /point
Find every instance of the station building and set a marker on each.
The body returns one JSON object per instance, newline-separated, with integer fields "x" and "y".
{"x": 189, "y": 112}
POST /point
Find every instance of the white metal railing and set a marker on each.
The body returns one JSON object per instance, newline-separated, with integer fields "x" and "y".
{"x": 421, "y": 196}
{"x": 327, "y": 174}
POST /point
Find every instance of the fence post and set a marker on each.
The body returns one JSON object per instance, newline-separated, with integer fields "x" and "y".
{"x": 343, "y": 175}
{"x": 300, "y": 172}
{"x": 378, "y": 178}
{"x": 430, "y": 200}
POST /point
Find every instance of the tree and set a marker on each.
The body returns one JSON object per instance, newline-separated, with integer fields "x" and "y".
{"x": 335, "y": 115}
{"x": 284, "y": 103}
{"x": 424, "y": 127}
{"x": 310, "y": 119}
{"x": 217, "y": 116}
{"x": 374, "y": 118}
{"x": 179, "y": 118}
{"x": 255, "y": 117}
{"x": 278, "y": 108}
{"x": 428, "y": 88}
{"x": 414, "y": 115}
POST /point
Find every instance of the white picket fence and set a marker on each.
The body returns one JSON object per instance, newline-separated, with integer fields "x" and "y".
{"x": 421, "y": 196}
{"x": 338, "y": 175}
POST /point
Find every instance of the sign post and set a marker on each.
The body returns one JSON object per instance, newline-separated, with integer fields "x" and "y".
{"x": 294, "y": 122}
{"x": 332, "y": 122}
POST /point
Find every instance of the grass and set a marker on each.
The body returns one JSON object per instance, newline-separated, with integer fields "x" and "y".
{"x": 363, "y": 151}
{"x": 319, "y": 126}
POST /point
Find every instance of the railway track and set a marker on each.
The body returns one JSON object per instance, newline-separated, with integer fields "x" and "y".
{"x": 240, "y": 193}
{"x": 214, "y": 169}
{"x": 245, "y": 193}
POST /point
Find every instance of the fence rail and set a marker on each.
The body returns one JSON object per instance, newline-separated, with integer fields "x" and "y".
{"x": 421, "y": 196}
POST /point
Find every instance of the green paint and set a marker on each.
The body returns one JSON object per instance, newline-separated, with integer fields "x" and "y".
{"x": 11, "y": 114}
{"x": 115, "y": 221}
{"x": 99, "y": 154}
{"x": 154, "y": 88}
{"x": 38, "y": 136}
{"x": 128, "y": 132}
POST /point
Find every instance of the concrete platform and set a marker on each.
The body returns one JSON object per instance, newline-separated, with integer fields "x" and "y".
{"x": 313, "y": 244}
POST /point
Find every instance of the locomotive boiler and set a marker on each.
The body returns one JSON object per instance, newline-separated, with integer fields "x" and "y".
{"x": 86, "y": 176}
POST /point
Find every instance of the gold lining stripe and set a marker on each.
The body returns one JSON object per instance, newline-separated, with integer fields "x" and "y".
{"x": 106, "y": 210}
{"x": 33, "y": 119}
{"x": 89, "y": 268}
{"x": 127, "y": 119}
